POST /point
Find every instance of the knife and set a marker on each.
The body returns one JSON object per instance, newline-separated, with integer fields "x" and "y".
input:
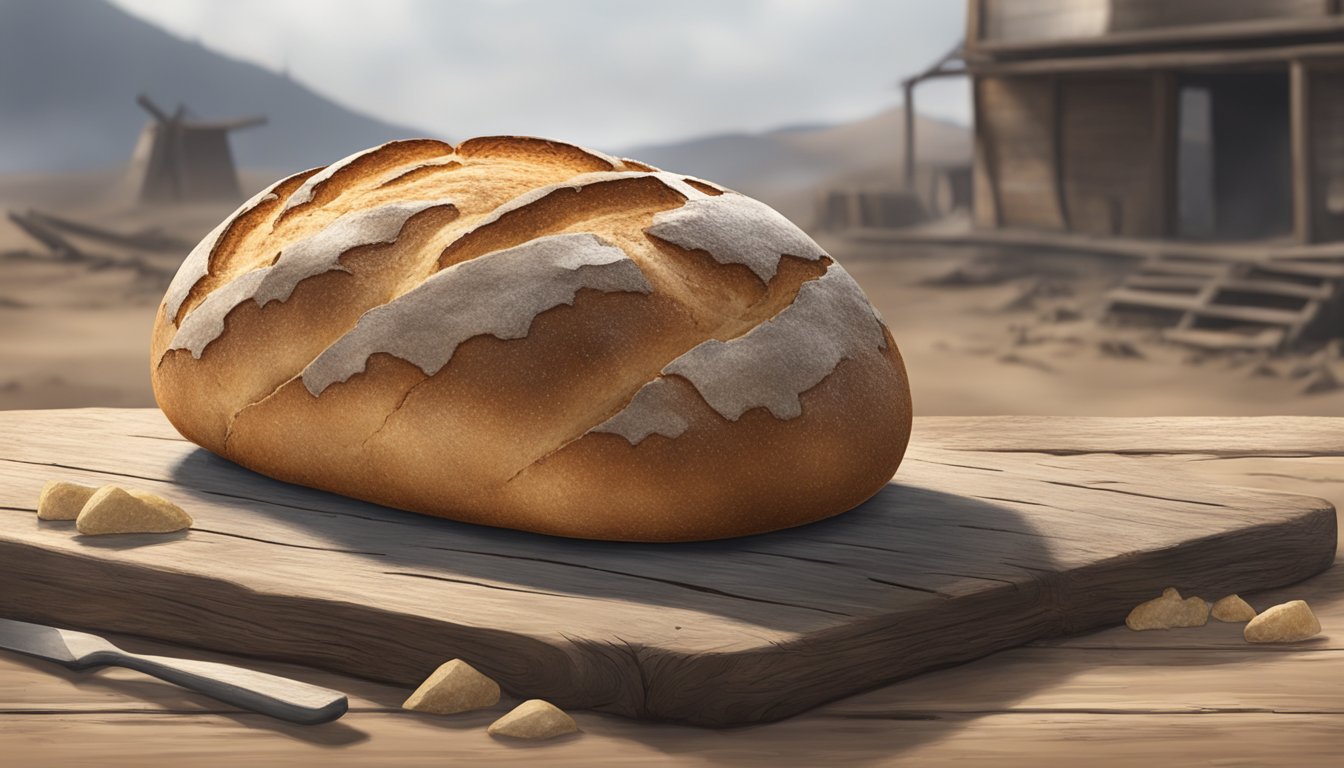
{"x": 268, "y": 694}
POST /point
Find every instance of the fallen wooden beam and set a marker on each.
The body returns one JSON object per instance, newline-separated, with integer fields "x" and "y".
{"x": 39, "y": 231}
{"x": 1265, "y": 340}
{"x": 148, "y": 240}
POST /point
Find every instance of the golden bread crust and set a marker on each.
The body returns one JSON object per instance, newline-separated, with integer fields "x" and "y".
{"x": 524, "y": 333}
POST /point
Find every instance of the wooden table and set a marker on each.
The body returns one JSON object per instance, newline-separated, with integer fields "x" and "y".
{"x": 1112, "y": 697}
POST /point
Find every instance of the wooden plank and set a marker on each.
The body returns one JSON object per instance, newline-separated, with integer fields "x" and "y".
{"x": 975, "y": 15}
{"x": 1107, "y": 155}
{"x": 1163, "y": 282}
{"x": 1266, "y": 339}
{"x": 1056, "y": 678}
{"x": 1020, "y": 545}
{"x": 1167, "y": 435}
{"x": 1057, "y": 152}
{"x": 1227, "y": 436}
{"x": 1302, "y": 268}
{"x": 1035, "y": 739}
{"x": 1139, "y": 298}
{"x": 1147, "y": 39}
{"x": 988, "y": 204}
{"x": 1018, "y": 113}
{"x": 1200, "y": 305}
{"x": 1291, "y": 255}
{"x": 151, "y": 240}
{"x": 1300, "y": 126}
{"x": 1166, "y": 132}
{"x": 1325, "y": 106}
{"x": 1277, "y": 288}
{"x": 1070, "y": 679}
{"x": 1147, "y": 60}
{"x": 1184, "y": 267}
{"x": 1287, "y": 317}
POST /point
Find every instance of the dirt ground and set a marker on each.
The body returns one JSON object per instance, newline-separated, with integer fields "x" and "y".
{"x": 982, "y": 332}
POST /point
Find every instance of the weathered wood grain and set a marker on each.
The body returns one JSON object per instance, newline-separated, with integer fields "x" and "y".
{"x": 1221, "y": 436}
{"x": 1018, "y": 547}
{"x": 364, "y": 739}
{"x": 1284, "y": 679}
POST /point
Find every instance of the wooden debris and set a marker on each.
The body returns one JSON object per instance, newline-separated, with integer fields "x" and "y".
{"x": 130, "y": 251}
{"x": 1321, "y": 381}
{"x": 1119, "y": 349}
{"x": 1230, "y": 304}
{"x": 146, "y": 240}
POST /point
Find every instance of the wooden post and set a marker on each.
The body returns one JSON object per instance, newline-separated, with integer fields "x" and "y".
{"x": 1166, "y": 128}
{"x": 1300, "y": 117}
{"x": 909, "y": 86}
{"x": 975, "y": 15}
{"x": 986, "y": 164}
{"x": 1057, "y": 150}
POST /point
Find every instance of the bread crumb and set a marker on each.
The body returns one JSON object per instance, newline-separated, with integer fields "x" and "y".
{"x": 1232, "y": 609}
{"x": 113, "y": 509}
{"x": 1168, "y": 611}
{"x": 61, "y": 500}
{"x": 454, "y": 687}
{"x": 534, "y": 719}
{"x": 1284, "y": 623}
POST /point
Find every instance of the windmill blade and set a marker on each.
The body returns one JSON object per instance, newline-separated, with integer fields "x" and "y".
{"x": 152, "y": 108}
{"x": 232, "y": 125}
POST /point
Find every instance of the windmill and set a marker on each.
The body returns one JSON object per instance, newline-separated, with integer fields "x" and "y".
{"x": 182, "y": 160}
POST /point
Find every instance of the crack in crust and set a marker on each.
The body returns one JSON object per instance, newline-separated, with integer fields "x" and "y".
{"x": 315, "y": 255}
{"x": 554, "y": 206}
{"x": 202, "y": 258}
{"x": 327, "y": 183}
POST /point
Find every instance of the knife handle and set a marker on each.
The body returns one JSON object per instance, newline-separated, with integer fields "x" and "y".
{"x": 268, "y": 694}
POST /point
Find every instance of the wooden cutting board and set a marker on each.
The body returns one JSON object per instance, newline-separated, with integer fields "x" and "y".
{"x": 965, "y": 553}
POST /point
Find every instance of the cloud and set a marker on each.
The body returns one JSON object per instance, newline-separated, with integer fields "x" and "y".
{"x": 608, "y": 73}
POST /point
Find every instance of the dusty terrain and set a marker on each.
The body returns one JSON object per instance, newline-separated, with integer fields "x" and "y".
{"x": 982, "y": 332}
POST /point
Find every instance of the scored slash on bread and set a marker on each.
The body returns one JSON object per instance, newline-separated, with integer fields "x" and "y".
{"x": 524, "y": 333}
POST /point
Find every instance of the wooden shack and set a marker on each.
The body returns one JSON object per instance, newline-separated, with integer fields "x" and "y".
{"x": 1203, "y": 120}
{"x": 1204, "y": 135}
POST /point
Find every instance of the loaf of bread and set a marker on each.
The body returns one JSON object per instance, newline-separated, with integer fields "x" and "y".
{"x": 523, "y": 333}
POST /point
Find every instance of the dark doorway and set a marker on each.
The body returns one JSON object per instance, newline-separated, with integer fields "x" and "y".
{"x": 1234, "y": 158}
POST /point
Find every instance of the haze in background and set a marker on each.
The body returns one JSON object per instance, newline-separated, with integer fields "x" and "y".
{"x": 606, "y": 73}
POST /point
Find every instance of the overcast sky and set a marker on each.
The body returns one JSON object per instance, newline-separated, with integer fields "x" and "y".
{"x": 653, "y": 71}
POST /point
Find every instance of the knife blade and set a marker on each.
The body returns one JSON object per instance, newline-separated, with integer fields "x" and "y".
{"x": 271, "y": 695}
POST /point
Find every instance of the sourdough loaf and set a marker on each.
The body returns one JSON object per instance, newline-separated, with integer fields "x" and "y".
{"x": 524, "y": 333}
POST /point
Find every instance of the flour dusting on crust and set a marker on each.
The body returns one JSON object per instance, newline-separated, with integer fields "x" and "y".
{"x": 197, "y": 263}
{"x": 656, "y": 409}
{"x": 499, "y": 294}
{"x": 770, "y": 366}
{"x": 306, "y": 258}
{"x": 735, "y": 229}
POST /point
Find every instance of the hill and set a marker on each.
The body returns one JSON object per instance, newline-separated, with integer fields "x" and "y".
{"x": 70, "y": 71}
{"x": 788, "y": 167}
